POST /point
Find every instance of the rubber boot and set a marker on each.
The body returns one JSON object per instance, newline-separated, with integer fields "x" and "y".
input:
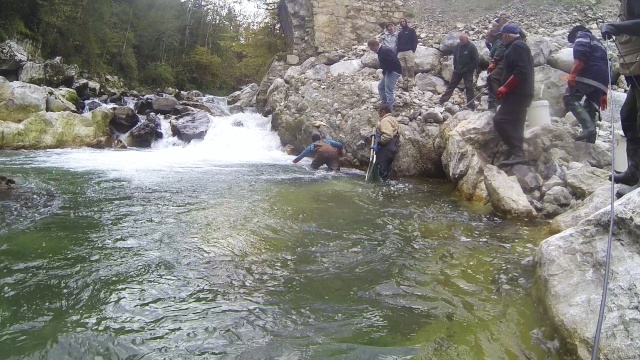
{"x": 516, "y": 158}
{"x": 588, "y": 124}
{"x": 630, "y": 176}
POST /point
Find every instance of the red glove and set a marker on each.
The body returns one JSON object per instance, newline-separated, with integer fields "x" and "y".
{"x": 603, "y": 102}
{"x": 492, "y": 67}
{"x": 577, "y": 66}
{"x": 507, "y": 87}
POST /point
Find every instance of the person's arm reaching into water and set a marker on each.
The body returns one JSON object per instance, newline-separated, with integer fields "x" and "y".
{"x": 304, "y": 154}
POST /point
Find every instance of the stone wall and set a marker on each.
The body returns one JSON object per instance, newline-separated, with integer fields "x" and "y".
{"x": 316, "y": 26}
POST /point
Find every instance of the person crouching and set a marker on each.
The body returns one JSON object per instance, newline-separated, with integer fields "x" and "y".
{"x": 516, "y": 94}
{"x": 326, "y": 152}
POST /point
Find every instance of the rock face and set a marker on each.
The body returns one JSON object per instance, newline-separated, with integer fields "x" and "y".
{"x": 12, "y": 57}
{"x": 505, "y": 195}
{"x": 19, "y": 100}
{"x": 245, "y": 97}
{"x": 310, "y": 25}
{"x": 49, "y": 130}
{"x": 569, "y": 278}
{"x": 191, "y": 126}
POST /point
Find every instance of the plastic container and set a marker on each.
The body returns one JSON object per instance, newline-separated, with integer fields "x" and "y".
{"x": 538, "y": 114}
{"x": 620, "y": 142}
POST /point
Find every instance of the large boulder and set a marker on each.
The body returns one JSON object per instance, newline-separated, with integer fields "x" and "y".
{"x": 164, "y": 105}
{"x": 428, "y": 82}
{"x": 62, "y": 99}
{"x": 449, "y": 42}
{"x": 32, "y": 73}
{"x": 427, "y": 60}
{"x": 18, "y": 100}
{"x": 562, "y": 60}
{"x": 369, "y": 60}
{"x": 245, "y": 97}
{"x": 540, "y": 49}
{"x": 505, "y": 194}
{"x": 550, "y": 85}
{"x": 142, "y": 135}
{"x": 191, "y": 126}
{"x": 48, "y": 130}
{"x": 585, "y": 180}
{"x": 348, "y": 67}
{"x": 12, "y": 57}
{"x": 86, "y": 89}
{"x": 124, "y": 120}
{"x": 569, "y": 278}
{"x": 57, "y": 73}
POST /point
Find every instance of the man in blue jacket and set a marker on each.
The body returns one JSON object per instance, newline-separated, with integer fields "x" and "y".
{"x": 326, "y": 152}
{"x": 407, "y": 45}
{"x": 589, "y": 79}
{"x": 390, "y": 70}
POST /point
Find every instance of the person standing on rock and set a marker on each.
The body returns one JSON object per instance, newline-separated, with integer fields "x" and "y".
{"x": 627, "y": 33}
{"x": 496, "y": 54}
{"x": 326, "y": 152}
{"x": 387, "y": 145}
{"x": 391, "y": 69}
{"x": 407, "y": 45}
{"x": 589, "y": 79}
{"x": 465, "y": 62}
{"x": 389, "y": 38}
{"x": 516, "y": 94}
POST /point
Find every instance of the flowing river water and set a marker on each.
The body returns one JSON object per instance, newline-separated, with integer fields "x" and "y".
{"x": 223, "y": 249}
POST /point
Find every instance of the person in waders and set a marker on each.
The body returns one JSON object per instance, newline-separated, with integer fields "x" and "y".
{"x": 627, "y": 34}
{"x": 386, "y": 146}
{"x": 325, "y": 152}
{"x": 589, "y": 79}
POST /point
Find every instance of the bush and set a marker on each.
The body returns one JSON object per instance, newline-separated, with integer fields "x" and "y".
{"x": 158, "y": 75}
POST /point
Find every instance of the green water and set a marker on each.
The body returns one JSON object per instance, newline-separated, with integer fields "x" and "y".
{"x": 253, "y": 261}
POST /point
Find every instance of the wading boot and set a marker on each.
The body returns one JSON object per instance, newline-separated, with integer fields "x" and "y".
{"x": 588, "y": 124}
{"x": 515, "y": 159}
{"x": 630, "y": 176}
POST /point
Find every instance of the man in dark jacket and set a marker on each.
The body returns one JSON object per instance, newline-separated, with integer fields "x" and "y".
{"x": 627, "y": 33}
{"x": 496, "y": 54}
{"x": 390, "y": 70}
{"x": 326, "y": 152}
{"x": 589, "y": 79}
{"x": 407, "y": 45}
{"x": 465, "y": 62}
{"x": 516, "y": 94}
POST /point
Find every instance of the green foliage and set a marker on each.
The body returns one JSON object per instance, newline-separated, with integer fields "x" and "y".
{"x": 206, "y": 44}
{"x": 158, "y": 75}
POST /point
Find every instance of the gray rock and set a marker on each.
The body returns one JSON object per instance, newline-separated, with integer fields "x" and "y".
{"x": 191, "y": 126}
{"x": 586, "y": 179}
{"x": 124, "y": 119}
{"x": 57, "y": 100}
{"x": 559, "y": 196}
{"x": 598, "y": 200}
{"x": 433, "y": 116}
{"x": 330, "y": 58}
{"x": 293, "y": 59}
{"x": 12, "y": 56}
{"x": 246, "y": 97}
{"x": 318, "y": 72}
{"x": 32, "y": 73}
{"x": 540, "y": 49}
{"x": 142, "y": 135}
{"x": 449, "y": 42}
{"x": 569, "y": 276}
{"x": 18, "y": 100}
{"x": 348, "y": 67}
{"x": 551, "y": 183}
{"x": 506, "y": 196}
{"x": 369, "y": 60}
{"x": 550, "y": 210}
{"x": 427, "y": 60}
{"x": 528, "y": 179}
{"x": 562, "y": 60}
{"x": 428, "y": 82}
{"x": 164, "y": 105}
{"x": 57, "y": 73}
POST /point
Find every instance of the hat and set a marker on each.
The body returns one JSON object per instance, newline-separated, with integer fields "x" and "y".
{"x": 510, "y": 28}
{"x": 573, "y": 34}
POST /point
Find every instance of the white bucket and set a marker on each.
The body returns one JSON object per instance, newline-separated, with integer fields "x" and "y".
{"x": 538, "y": 114}
{"x": 620, "y": 142}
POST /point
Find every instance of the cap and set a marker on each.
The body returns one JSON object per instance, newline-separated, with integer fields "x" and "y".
{"x": 510, "y": 28}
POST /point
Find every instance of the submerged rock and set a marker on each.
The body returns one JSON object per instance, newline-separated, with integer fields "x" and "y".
{"x": 191, "y": 126}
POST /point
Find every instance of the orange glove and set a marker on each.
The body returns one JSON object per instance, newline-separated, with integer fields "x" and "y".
{"x": 492, "y": 67}
{"x": 604, "y": 102}
{"x": 575, "y": 69}
{"x": 572, "y": 80}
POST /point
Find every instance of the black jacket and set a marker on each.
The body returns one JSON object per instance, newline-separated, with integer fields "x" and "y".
{"x": 519, "y": 63}
{"x": 407, "y": 39}
{"x": 388, "y": 60}
{"x": 465, "y": 58}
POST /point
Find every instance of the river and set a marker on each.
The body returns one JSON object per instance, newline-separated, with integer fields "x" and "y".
{"x": 224, "y": 249}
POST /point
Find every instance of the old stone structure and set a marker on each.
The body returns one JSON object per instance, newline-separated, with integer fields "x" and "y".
{"x": 315, "y": 26}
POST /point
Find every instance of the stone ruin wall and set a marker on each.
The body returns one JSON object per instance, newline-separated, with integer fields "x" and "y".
{"x": 316, "y": 26}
